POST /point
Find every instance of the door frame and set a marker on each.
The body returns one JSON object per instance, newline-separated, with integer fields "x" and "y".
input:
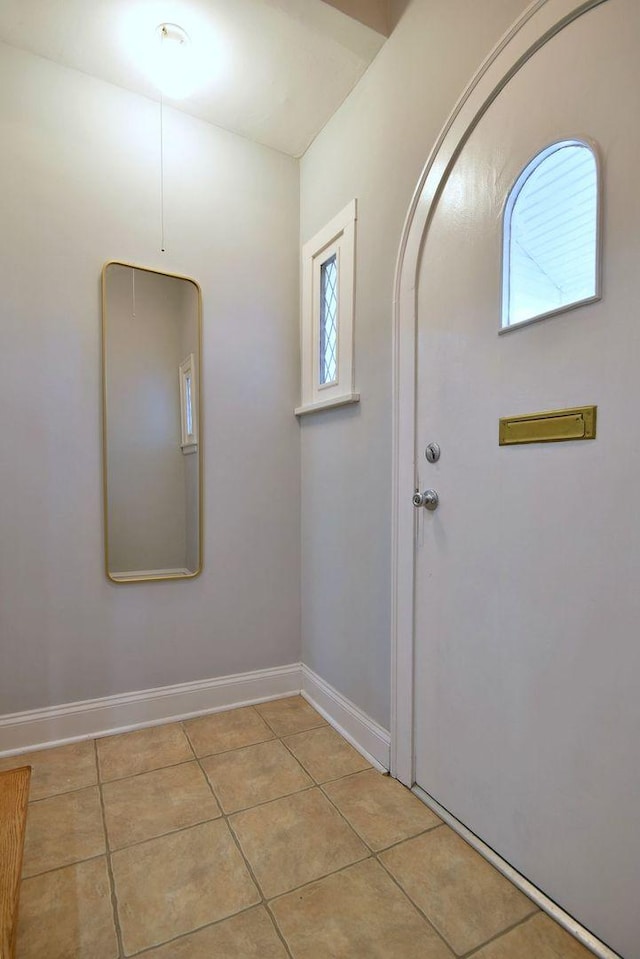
{"x": 542, "y": 20}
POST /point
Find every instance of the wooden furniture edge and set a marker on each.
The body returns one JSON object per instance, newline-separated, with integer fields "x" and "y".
{"x": 14, "y": 798}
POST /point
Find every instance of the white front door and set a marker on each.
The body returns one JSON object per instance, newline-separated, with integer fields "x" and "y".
{"x": 527, "y": 648}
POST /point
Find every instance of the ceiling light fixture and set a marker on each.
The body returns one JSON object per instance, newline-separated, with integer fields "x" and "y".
{"x": 173, "y": 68}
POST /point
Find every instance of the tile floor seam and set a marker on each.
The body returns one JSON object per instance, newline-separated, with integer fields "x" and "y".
{"x": 264, "y": 900}
{"x": 254, "y": 878}
{"x": 342, "y": 815}
{"x": 278, "y": 930}
{"x": 318, "y": 878}
{"x": 265, "y": 720}
{"x": 416, "y": 906}
{"x": 299, "y": 762}
{"x": 163, "y": 835}
{"x": 311, "y": 882}
{"x": 400, "y": 842}
{"x": 64, "y": 792}
{"x": 225, "y": 817}
{"x": 145, "y": 772}
{"x": 310, "y": 788}
{"x": 191, "y": 932}
{"x": 375, "y": 852}
{"x": 240, "y": 749}
{"x": 486, "y": 942}
{"x": 328, "y": 782}
{"x": 265, "y": 802}
{"x": 323, "y": 782}
{"x": 183, "y": 727}
{"x": 112, "y": 881}
{"x": 66, "y": 865}
{"x": 375, "y": 856}
{"x": 323, "y": 722}
{"x": 500, "y": 935}
{"x": 291, "y": 752}
{"x": 225, "y": 751}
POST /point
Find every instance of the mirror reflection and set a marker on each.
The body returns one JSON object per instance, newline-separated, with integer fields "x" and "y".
{"x": 152, "y": 469}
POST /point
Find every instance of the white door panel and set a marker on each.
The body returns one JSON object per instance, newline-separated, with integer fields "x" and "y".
{"x": 527, "y": 718}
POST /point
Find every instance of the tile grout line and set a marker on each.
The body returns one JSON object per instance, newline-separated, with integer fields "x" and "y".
{"x": 222, "y": 815}
{"x": 143, "y": 772}
{"x": 376, "y": 854}
{"x": 417, "y": 907}
{"x": 393, "y": 845}
{"x": 267, "y": 802}
{"x": 287, "y": 892}
{"x": 476, "y": 949}
{"x": 225, "y": 817}
{"x": 235, "y": 749}
{"x": 192, "y": 932}
{"x": 316, "y": 782}
{"x": 278, "y": 931}
{"x": 400, "y": 842}
{"x": 64, "y": 865}
{"x": 311, "y": 882}
{"x": 164, "y": 835}
{"x": 112, "y": 882}
{"x": 216, "y": 922}
{"x": 63, "y": 792}
{"x": 504, "y": 932}
{"x": 376, "y": 857}
{"x": 236, "y": 841}
{"x": 314, "y": 785}
{"x": 178, "y": 829}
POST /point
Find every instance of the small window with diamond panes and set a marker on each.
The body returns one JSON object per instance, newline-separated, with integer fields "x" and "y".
{"x": 329, "y": 322}
{"x": 328, "y": 288}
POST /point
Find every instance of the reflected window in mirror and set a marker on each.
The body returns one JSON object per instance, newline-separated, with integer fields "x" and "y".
{"x": 188, "y": 406}
{"x": 152, "y": 490}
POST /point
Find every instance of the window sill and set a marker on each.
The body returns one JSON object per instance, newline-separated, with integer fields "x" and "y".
{"x": 345, "y": 400}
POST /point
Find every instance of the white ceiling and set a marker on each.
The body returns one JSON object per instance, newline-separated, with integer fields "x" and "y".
{"x": 274, "y": 70}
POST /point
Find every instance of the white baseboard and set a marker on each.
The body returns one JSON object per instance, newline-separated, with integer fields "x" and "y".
{"x": 72, "y": 722}
{"x": 370, "y": 739}
{"x": 55, "y": 725}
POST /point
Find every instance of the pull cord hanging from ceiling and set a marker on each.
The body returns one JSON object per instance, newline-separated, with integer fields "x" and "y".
{"x": 162, "y": 250}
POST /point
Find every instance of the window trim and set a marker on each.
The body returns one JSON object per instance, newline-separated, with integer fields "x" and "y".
{"x": 512, "y": 196}
{"x": 187, "y": 369}
{"x": 337, "y": 237}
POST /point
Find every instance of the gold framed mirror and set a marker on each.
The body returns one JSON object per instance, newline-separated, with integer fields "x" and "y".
{"x": 151, "y": 424}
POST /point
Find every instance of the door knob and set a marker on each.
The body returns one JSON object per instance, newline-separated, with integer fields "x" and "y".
{"x": 429, "y": 499}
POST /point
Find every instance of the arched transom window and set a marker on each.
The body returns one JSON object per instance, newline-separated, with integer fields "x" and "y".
{"x": 550, "y": 256}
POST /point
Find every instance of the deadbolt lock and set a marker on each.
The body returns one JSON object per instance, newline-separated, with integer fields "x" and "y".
{"x": 432, "y": 453}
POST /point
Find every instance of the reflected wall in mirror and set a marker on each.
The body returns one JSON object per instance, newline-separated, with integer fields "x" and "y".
{"x": 151, "y": 405}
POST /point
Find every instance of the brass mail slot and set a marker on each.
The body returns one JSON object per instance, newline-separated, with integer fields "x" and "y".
{"x": 553, "y": 426}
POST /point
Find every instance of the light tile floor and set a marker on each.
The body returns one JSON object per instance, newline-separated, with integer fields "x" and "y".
{"x": 257, "y": 833}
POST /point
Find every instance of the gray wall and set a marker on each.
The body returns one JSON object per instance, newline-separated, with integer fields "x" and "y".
{"x": 80, "y": 174}
{"x": 80, "y": 180}
{"x": 374, "y": 149}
